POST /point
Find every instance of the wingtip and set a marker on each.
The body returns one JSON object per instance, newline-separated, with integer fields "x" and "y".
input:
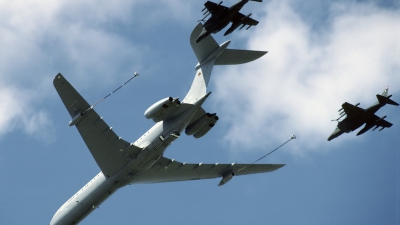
{"x": 57, "y": 78}
{"x": 278, "y": 166}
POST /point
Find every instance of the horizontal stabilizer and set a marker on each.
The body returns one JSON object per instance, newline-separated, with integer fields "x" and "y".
{"x": 208, "y": 47}
{"x": 391, "y": 102}
{"x": 386, "y": 100}
{"x": 234, "y": 56}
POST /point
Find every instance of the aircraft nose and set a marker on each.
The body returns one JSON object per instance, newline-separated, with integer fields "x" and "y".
{"x": 334, "y": 134}
{"x": 57, "y": 218}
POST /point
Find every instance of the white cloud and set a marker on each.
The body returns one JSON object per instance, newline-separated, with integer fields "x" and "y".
{"x": 10, "y": 108}
{"x": 39, "y": 39}
{"x": 308, "y": 73}
{"x": 16, "y": 112}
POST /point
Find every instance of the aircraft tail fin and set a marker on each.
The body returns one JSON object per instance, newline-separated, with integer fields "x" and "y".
{"x": 385, "y": 92}
{"x": 386, "y": 100}
{"x": 204, "y": 48}
{"x": 208, "y": 54}
{"x": 256, "y": 0}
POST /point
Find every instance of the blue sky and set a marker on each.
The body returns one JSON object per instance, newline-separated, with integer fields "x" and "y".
{"x": 321, "y": 54}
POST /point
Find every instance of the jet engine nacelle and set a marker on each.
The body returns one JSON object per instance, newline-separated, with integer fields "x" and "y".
{"x": 162, "y": 109}
{"x": 201, "y": 126}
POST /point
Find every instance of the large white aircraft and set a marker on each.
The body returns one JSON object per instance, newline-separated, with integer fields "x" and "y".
{"x": 142, "y": 161}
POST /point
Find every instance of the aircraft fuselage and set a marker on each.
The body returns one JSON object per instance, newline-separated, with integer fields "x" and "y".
{"x": 353, "y": 123}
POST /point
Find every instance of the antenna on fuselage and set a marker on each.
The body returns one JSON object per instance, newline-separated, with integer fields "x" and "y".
{"x": 291, "y": 138}
{"x": 78, "y": 116}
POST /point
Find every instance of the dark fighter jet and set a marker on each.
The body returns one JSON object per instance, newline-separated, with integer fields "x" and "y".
{"x": 356, "y": 116}
{"x": 221, "y": 16}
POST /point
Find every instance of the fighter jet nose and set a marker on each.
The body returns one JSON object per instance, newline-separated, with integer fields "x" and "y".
{"x": 202, "y": 35}
{"x": 337, "y": 132}
{"x": 331, "y": 137}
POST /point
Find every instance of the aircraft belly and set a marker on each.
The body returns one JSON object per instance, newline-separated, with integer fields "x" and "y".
{"x": 355, "y": 126}
{"x": 221, "y": 26}
{"x": 148, "y": 138}
{"x": 143, "y": 161}
{"x": 216, "y": 26}
{"x": 84, "y": 201}
{"x": 350, "y": 125}
{"x": 154, "y": 143}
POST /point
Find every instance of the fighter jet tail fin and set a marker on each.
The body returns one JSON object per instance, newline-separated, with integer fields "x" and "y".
{"x": 385, "y": 92}
{"x": 386, "y": 100}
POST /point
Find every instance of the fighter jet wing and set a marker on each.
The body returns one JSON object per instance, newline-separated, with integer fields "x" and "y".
{"x": 351, "y": 109}
{"x": 245, "y": 20}
{"x": 169, "y": 170}
{"x": 110, "y": 151}
{"x": 379, "y": 122}
{"x": 214, "y": 8}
